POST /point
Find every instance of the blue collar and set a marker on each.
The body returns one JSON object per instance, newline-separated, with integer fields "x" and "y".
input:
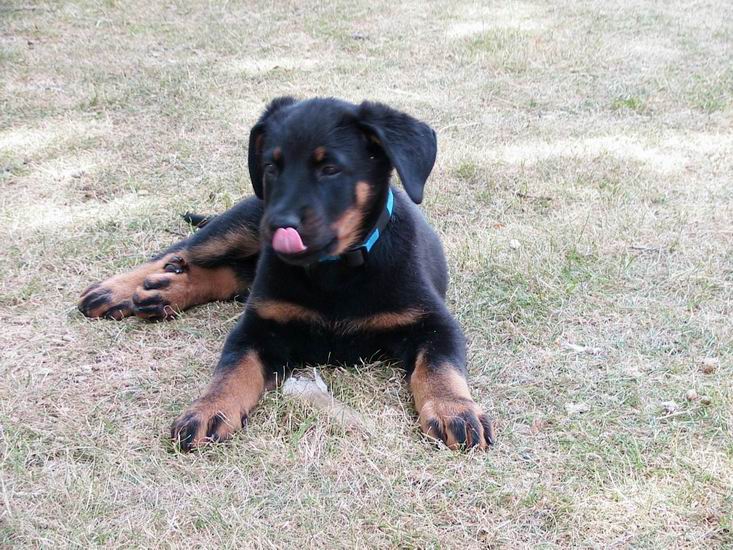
{"x": 357, "y": 256}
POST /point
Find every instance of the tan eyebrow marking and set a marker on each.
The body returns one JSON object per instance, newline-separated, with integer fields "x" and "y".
{"x": 319, "y": 154}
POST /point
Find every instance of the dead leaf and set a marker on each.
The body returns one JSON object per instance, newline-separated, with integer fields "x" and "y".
{"x": 581, "y": 349}
{"x": 537, "y": 425}
{"x": 709, "y": 365}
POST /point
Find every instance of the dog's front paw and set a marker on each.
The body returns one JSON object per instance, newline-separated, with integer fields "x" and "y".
{"x": 459, "y": 423}
{"x": 113, "y": 298}
{"x": 206, "y": 421}
{"x": 163, "y": 295}
{"x": 110, "y": 299}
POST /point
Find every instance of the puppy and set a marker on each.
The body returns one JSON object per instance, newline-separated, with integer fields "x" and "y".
{"x": 336, "y": 263}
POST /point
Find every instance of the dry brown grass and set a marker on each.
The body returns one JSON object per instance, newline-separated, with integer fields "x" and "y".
{"x": 583, "y": 190}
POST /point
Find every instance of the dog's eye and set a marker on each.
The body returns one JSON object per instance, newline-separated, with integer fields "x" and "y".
{"x": 330, "y": 170}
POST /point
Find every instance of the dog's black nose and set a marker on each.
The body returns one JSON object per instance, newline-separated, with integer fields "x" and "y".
{"x": 277, "y": 221}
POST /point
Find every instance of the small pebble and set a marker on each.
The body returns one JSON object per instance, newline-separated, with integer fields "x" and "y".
{"x": 576, "y": 408}
{"x": 691, "y": 395}
{"x": 669, "y": 406}
{"x": 632, "y": 372}
{"x": 514, "y": 244}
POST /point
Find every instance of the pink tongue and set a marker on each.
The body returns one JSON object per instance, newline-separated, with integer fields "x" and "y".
{"x": 287, "y": 241}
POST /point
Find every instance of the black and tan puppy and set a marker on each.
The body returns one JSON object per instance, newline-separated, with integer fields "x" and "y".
{"x": 338, "y": 265}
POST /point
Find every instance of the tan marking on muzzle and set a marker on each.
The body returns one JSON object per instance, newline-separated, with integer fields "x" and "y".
{"x": 348, "y": 225}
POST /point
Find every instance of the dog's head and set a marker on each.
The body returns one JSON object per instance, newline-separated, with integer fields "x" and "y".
{"x": 322, "y": 167}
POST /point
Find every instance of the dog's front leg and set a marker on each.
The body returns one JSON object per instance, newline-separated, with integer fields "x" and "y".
{"x": 216, "y": 263}
{"x": 437, "y": 376}
{"x": 245, "y": 370}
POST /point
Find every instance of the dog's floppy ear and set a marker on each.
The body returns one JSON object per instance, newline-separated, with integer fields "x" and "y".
{"x": 256, "y": 138}
{"x": 411, "y": 145}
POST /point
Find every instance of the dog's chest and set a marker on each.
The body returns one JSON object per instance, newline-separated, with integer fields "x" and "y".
{"x": 338, "y": 343}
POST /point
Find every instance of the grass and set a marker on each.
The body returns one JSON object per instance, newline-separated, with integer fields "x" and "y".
{"x": 583, "y": 194}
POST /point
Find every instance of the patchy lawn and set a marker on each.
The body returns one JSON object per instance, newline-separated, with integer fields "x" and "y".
{"x": 584, "y": 191}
